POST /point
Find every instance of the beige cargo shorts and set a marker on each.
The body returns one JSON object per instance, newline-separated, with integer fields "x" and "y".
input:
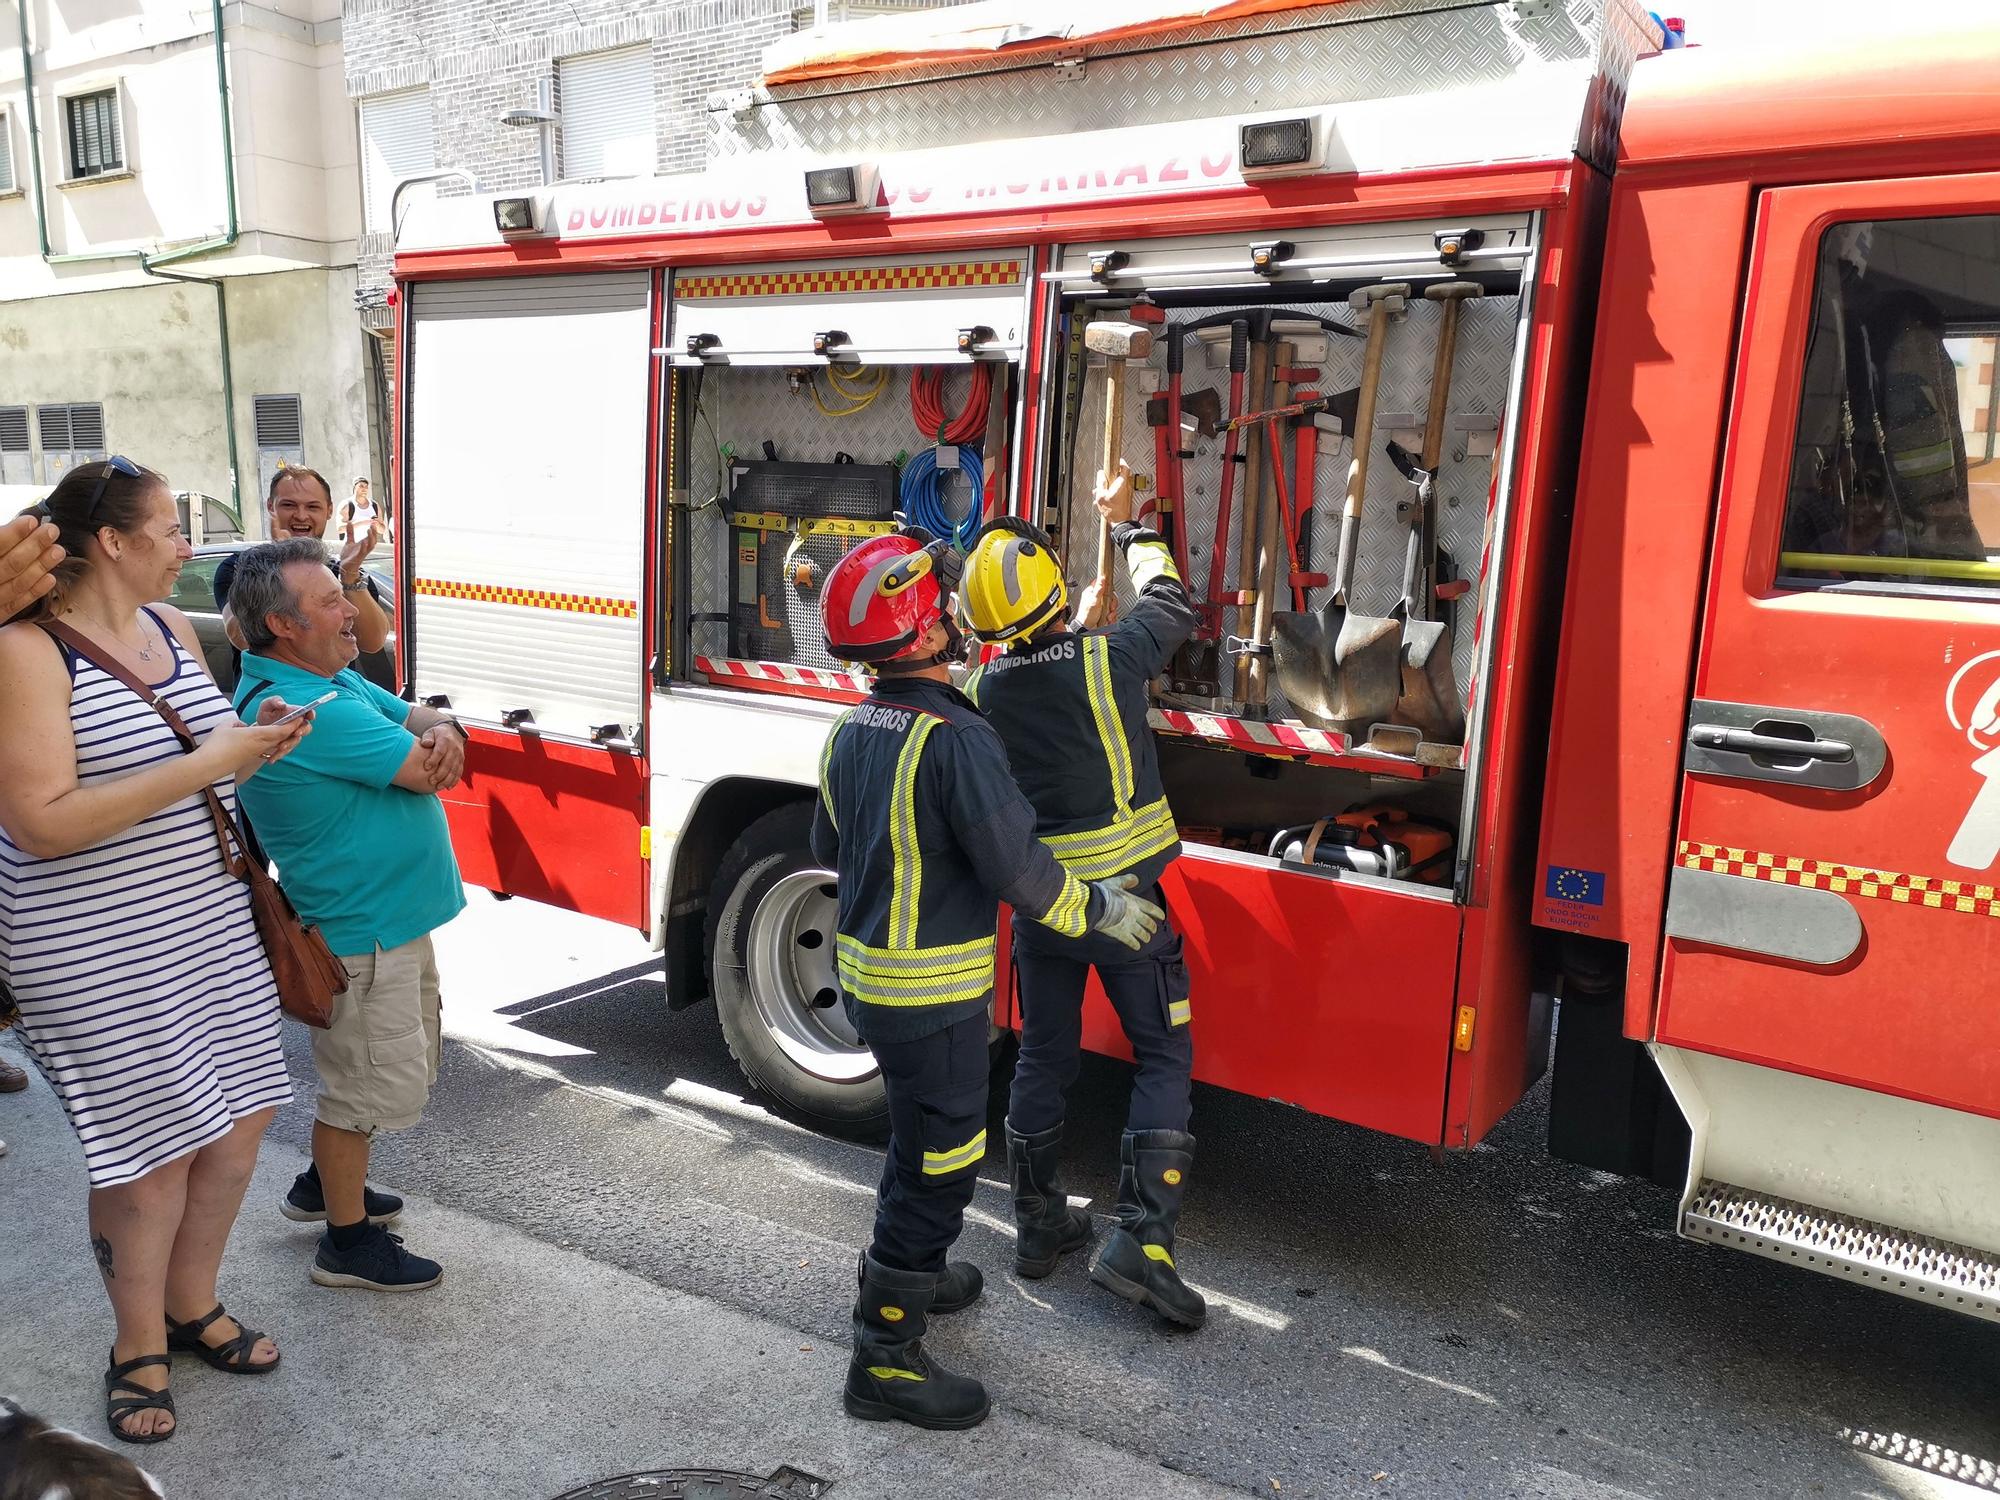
{"x": 378, "y": 1060}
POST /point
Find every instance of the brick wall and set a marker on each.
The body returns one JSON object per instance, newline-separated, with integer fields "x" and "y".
{"x": 480, "y": 58}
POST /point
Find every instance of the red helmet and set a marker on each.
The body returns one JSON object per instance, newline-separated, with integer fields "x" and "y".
{"x": 881, "y": 600}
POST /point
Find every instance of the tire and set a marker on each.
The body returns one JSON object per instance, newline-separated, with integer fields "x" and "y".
{"x": 769, "y": 943}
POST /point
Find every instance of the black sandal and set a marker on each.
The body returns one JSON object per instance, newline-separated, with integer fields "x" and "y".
{"x": 233, "y": 1357}
{"x": 124, "y": 1399}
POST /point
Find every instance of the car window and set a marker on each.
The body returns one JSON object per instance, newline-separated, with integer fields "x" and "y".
{"x": 194, "y": 590}
{"x": 1896, "y": 467}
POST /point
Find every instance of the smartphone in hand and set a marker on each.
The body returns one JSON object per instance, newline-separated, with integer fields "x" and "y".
{"x": 300, "y": 712}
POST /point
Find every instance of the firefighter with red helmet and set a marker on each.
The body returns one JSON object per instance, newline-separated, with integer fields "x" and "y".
{"x": 1070, "y": 706}
{"x": 922, "y": 821}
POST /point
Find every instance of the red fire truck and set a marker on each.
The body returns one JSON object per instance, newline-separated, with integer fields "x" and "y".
{"x": 1643, "y": 404}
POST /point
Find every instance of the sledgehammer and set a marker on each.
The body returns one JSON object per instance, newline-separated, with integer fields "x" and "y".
{"x": 1117, "y": 342}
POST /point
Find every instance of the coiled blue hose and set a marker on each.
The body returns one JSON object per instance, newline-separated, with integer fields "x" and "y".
{"x": 923, "y": 497}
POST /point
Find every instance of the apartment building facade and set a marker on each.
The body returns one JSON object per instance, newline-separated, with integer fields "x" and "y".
{"x": 178, "y": 221}
{"x": 626, "y": 89}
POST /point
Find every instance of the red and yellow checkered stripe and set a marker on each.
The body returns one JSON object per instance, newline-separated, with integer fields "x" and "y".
{"x": 489, "y": 593}
{"x": 1931, "y": 891}
{"x": 850, "y": 279}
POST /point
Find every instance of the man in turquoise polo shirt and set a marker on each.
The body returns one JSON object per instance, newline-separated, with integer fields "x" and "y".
{"x": 360, "y": 840}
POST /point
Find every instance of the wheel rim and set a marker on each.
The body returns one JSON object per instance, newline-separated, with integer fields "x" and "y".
{"x": 791, "y": 966}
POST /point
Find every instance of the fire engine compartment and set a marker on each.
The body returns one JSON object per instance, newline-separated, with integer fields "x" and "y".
{"x": 818, "y": 405}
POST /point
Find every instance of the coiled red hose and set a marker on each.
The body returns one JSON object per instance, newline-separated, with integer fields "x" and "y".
{"x": 927, "y": 405}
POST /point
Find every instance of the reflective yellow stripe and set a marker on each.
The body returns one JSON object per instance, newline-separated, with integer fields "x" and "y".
{"x": 890, "y": 1372}
{"x": 1178, "y": 1013}
{"x": 907, "y": 882}
{"x": 1110, "y": 727}
{"x": 939, "y": 1163}
{"x": 929, "y": 960}
{"x": 826, "y": 760}
{"x": 1159, "y": 1253}
{"x": 1147, "y": 561}
{"x": 943, "y": 990}
{"x": 972, "y": 683}
{"x": 943, "y": 975}
{"x": 1100, "y": 853}
{"x": 1069, "y": 913}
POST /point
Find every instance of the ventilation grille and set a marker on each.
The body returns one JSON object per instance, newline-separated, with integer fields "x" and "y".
{"x": 86, "y": 427}
{"x": 860, "y": 492}
{"x": 75, "y": 428}
{"x": 13, "y": 429}
{"x": 279, "y": 422}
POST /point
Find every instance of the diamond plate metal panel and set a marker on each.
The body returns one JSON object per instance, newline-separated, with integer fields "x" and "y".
{"x": 1479, "y": 389}
{"x": 1364, "y": 49}
{"x": 741, "y": 410}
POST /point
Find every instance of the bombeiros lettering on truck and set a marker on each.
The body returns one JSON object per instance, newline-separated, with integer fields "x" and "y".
{"x": 1584, "y": 474}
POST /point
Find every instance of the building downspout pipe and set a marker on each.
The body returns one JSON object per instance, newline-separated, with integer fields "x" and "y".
{"x": 228, "y": 372}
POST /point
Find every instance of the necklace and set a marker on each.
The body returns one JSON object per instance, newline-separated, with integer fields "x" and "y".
{"x": 143, "y": 651}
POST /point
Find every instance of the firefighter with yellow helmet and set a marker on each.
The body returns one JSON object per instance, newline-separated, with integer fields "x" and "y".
{"x": 928, "y": 833}
{"x": 1070, "y": 705}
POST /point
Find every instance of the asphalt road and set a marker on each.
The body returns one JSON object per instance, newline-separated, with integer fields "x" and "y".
{"x": 1494, "y": 1324}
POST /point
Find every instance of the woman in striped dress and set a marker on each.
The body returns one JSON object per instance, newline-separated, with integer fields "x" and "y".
{"x": 144, "y": 993}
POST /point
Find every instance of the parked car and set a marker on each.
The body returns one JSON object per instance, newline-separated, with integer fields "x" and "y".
{"x": 194, "y": 596}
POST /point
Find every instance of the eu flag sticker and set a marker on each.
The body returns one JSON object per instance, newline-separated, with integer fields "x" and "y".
{"x": 1567, "y": 883}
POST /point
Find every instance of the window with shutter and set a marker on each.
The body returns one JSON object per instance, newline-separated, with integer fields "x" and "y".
{"x": 6, "y": 152}
{"x": 96, "y": 143}
{"x": 607, "y": 114}
{"x": 397, "y": 141}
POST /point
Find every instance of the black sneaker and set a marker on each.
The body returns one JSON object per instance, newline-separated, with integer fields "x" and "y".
{"x": 378, "y": 1264}
{"x": 306, "y": 1203}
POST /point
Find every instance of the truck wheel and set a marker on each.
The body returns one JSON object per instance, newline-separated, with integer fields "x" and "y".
{"x": 770, "y": 953}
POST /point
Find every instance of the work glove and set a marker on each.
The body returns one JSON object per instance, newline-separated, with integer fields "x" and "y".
{"x": 1129, "y": 919}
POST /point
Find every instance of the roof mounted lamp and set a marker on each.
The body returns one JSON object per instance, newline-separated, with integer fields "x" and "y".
{"x": 1280, "y": 148}
{"x": 835, "y": 190}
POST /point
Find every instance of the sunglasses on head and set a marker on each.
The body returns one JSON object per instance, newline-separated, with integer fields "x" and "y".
{"x": 118, "y": 463}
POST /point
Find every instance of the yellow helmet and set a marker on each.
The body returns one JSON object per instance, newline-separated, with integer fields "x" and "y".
{"x": 1013, "y": 585}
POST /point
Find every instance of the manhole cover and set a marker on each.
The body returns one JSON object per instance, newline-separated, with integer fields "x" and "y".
{"x": 704, "y": 1484}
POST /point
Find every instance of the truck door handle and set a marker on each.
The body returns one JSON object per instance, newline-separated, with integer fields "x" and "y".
{"x": 1791, "y": 746}
{"x": 1749, "y": 742}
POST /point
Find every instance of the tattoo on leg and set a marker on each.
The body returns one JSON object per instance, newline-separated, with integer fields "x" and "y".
{"x": 102, "y": 1247}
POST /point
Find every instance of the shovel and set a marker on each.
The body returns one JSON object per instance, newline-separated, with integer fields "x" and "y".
{"x": 1429, "y": 700}
{"x": 1338, "y": 669}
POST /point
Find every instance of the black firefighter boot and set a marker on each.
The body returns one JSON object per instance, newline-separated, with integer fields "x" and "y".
{"x": 1046, "y": 1227}
{"x": 890, "y": 1377}
{"x": 1137, "y": 1261}
{"x": 957, "y": 1289}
